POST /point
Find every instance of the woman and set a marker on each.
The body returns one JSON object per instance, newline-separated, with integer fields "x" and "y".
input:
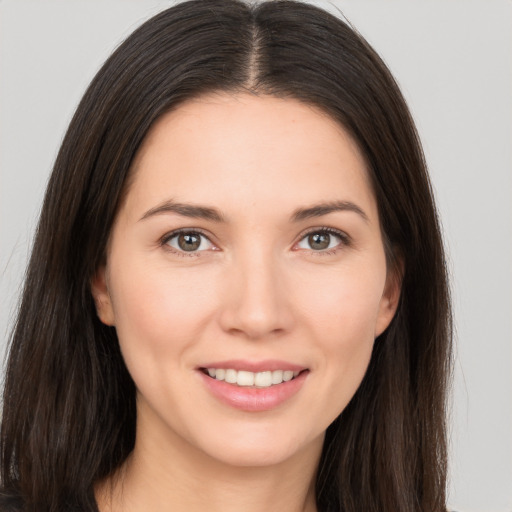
{"x": 237, "y": 293}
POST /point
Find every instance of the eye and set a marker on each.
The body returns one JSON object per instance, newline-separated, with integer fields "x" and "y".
{"x": 188, "y": 241}
{"x": 322, "y": 240}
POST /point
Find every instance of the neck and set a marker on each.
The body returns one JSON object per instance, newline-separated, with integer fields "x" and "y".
{"x": 165, "y": 473}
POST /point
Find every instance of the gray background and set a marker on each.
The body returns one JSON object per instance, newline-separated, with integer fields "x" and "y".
{"x": 453, "y": 61}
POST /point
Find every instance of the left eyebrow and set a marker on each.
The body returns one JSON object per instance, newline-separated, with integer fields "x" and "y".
{"x": 321, "y": 209}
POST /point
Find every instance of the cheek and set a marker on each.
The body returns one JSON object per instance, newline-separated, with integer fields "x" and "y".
{"x": 344, "y": 301}
{"x": 341, "y": 311}
{"x": 158, "y": 312}
{"x": 158, "y": 318}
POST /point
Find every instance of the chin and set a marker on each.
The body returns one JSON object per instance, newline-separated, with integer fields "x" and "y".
{"x": 262, "y": 449}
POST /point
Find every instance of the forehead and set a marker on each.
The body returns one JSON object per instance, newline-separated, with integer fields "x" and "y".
{"x": 246, "y": 149}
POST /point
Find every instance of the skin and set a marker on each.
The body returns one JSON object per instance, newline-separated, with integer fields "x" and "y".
{"x": 255, "y": 290}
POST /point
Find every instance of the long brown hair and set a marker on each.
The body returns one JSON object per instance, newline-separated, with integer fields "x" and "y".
{"x": 69, "y": 403}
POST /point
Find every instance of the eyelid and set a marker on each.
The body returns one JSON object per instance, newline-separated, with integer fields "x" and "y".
{"x": 345, "y": 238}
{"x": 164, "y": 240}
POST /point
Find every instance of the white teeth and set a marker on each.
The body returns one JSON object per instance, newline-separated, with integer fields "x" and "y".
{"x": 287, "y": 375}
{"x": 277, "y": 377}
{"x": 263, "y": 379}
{"x": 230, "y": 376}
{"x": 245, "y": 378}
{"x": 251, "y": 379}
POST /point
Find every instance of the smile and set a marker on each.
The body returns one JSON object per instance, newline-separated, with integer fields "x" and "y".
{"x": 257, "y": 391}
{"x": 243, "y": 378}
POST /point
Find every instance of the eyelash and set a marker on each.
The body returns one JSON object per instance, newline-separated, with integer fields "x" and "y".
{"x": 164, "y": 241}
{"x": 345, "y": 241}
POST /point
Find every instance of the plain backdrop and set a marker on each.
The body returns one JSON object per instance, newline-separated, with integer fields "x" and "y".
{"x": 453, "y": 62}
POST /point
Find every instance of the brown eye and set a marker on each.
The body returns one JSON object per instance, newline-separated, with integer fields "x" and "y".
{"x": 322, "y": 239}
{"x": 319, "y": 241}
{"x": 189, "y": 241}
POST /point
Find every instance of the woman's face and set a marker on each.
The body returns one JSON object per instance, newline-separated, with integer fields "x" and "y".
{"x": 248, "y": 248}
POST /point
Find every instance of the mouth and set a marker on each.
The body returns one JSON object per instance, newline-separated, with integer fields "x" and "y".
{"x": 248, "y": 379}
{"x": 253, "y": 386}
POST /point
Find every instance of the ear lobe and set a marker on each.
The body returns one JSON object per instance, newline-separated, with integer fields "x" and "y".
{"x": 390, "y": 298}
{"x": 101, "y": 295}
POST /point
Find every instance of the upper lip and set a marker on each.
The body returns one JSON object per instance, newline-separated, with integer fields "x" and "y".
{"x": 254, "y": 366}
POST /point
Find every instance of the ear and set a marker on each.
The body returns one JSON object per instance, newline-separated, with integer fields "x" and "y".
{"x": 390, "y": 298}
{"x": 101, "y": 295}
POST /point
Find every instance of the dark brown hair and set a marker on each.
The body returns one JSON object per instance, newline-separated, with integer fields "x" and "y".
{"x": 69, "y": 403}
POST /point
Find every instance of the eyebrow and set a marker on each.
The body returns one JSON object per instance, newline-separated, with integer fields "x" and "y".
{"x": 320, "y": 209}
{"x": 208, "y": 213}
{"x": 185, "y": 210}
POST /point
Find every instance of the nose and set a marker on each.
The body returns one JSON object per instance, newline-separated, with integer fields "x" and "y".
{"x": 256, "y": 302}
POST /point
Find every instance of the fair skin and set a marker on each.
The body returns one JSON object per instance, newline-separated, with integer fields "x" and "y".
{"x": 281, "y": 269}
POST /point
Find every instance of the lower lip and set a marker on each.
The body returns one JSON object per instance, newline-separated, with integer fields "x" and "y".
{"x": 254, "y": 399}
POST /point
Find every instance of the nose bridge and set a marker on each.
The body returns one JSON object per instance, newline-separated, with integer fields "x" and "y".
{"x": 256, "y": 303}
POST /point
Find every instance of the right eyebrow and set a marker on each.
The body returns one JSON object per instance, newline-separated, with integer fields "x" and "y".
{"x": 186, "y": 210}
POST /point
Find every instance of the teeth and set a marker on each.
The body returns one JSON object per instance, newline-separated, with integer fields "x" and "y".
{"x": 287, "y": 375}
{"x": 230, "y": 376}
{"x": 277, "y": 377}
{"x": 263, "y": 379}
{"x": 251, "y": 379}
{"x": 245, "y": 378}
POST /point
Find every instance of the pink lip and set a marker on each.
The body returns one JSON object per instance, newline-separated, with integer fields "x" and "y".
{"x": 254, "y": 366}
{"x": 253, "y": 399}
